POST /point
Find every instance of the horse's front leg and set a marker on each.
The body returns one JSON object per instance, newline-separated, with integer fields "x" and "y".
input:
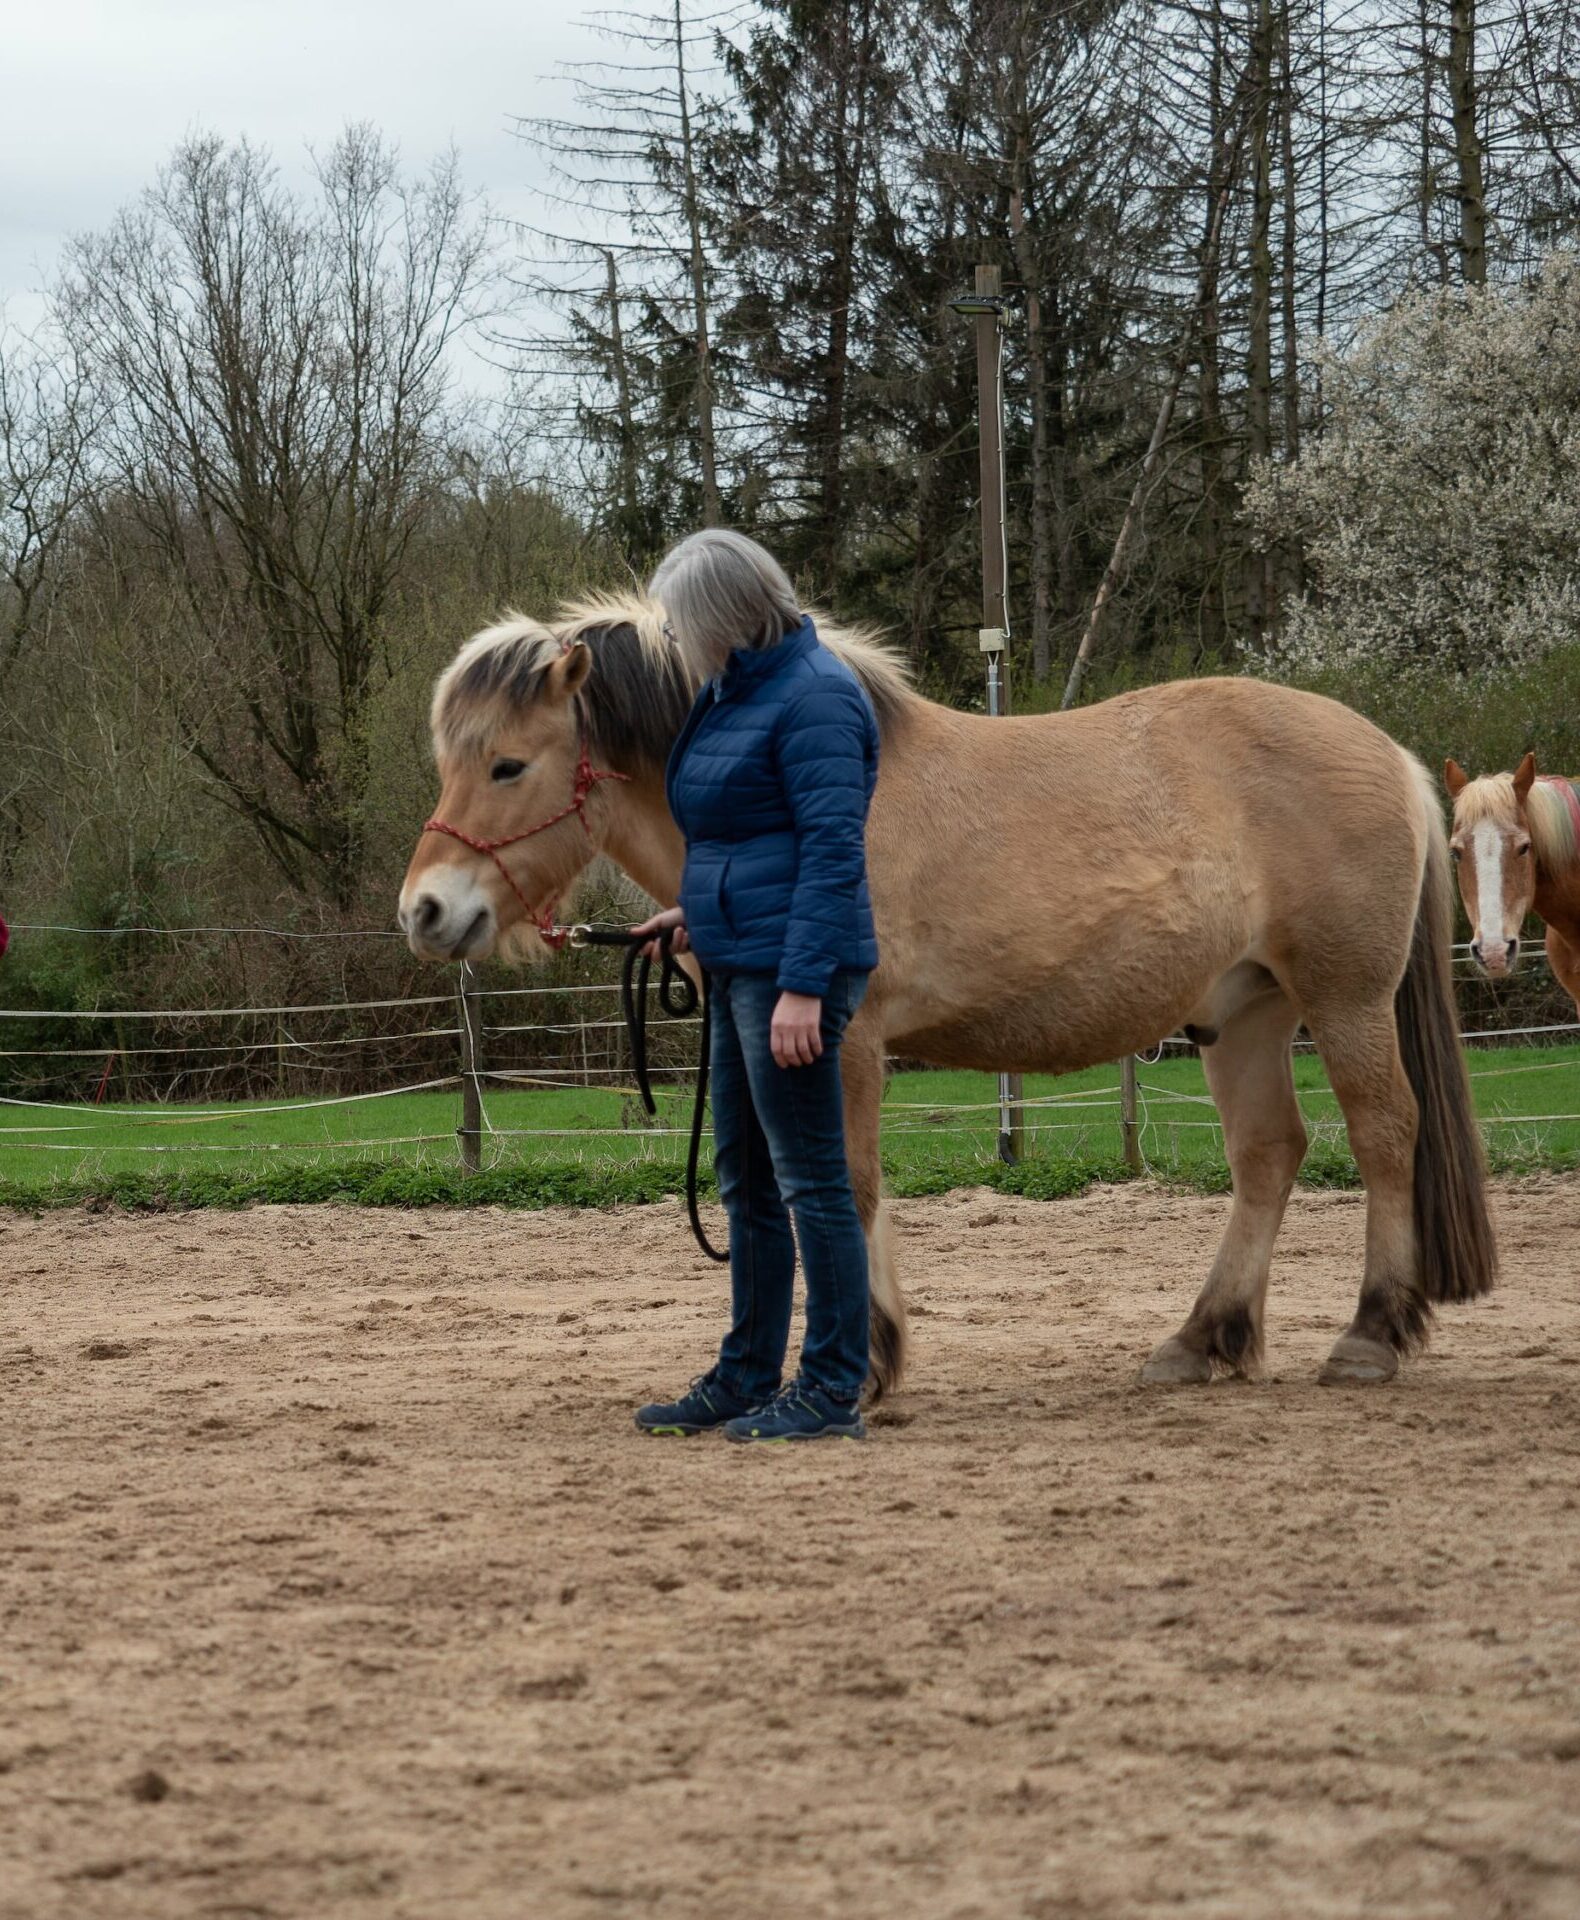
{"x": 861, "y": 1067}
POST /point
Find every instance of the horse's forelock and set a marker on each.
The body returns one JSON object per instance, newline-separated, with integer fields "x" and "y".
{"x": 1492, "y": 798}
{"x": 498, "y": 670}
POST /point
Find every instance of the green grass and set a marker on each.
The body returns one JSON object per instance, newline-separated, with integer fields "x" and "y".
{"x": 585, "y": 1146}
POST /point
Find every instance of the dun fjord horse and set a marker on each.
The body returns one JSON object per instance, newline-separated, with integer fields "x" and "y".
{"x": 1516, "y": 848}
{"x": 1219, "y": 855}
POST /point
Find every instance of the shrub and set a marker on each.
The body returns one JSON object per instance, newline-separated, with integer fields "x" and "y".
{"x": 1439, "y": 513}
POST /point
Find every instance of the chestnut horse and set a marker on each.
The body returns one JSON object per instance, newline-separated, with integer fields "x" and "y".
{"x": 1225, "y": 856}
{"x": 1516, "y": 850}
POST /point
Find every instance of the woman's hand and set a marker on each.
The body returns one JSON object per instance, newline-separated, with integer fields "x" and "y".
{"x": 671, "y": 921}
{"x": 796, "y": 1034}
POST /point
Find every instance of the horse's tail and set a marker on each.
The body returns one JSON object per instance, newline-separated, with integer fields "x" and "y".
{"x": 886, "y": 1341}
{"x": 1456, "y": 1255}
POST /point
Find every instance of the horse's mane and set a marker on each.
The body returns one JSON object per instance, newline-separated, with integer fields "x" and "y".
{"x": 638, "y": 694}
{"x": 1547, "y": 813}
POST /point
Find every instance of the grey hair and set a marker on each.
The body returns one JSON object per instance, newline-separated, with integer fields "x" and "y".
{"x": 721, "y": 591}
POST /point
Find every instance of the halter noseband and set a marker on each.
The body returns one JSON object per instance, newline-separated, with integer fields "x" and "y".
{"x": 587, "y": 777}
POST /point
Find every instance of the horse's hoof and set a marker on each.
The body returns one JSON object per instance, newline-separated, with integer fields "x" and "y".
{"x": 1176, "y": 1365}
{"x": 1358, "y": 1362}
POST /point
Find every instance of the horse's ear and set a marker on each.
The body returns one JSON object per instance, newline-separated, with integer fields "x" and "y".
{"x": 1455, "y": 778}
{"x": 570, "y": 670}
{"x": 1524, "y": 777}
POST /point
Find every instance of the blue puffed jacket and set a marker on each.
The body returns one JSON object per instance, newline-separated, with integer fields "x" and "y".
{"x": 770, "y": 782}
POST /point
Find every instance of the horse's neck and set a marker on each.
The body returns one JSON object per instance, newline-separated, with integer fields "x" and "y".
{"x": 1557, "y": 898}
{"x": 642, "y": 840}
{"x": 1557, "y": 901}
{"x": 639, "y": 835}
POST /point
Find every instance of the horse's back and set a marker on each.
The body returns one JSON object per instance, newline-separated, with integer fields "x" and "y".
{"x": 1271, "y": 774}
{"x": 1255, "y": 733}
{"x": 1129, "y": 855}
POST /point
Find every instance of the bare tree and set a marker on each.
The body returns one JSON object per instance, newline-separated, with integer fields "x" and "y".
{"x": 279, "y": 374}
{"x": 47, "y": 410}
{"x": 1244, "y": 107}
{"x": 47, "y": 414}
{"x": 623, "y": 257}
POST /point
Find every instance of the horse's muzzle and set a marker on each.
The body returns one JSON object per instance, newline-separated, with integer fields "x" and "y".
{"x": 445, "y": 922}
{"x": 1496, "y": 958}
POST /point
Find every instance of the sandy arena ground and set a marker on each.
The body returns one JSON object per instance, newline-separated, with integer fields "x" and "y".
{"x": 335, "y": 1582}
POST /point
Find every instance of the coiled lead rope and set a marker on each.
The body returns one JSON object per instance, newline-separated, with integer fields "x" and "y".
{"x": 679, "y": 998}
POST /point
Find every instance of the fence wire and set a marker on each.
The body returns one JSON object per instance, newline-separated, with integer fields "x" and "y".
{"x": 585, "y": 1055}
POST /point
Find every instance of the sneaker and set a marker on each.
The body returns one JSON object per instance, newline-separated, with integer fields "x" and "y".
{"x": 706, "y": 1403}
{"x": 799, "y": 1411}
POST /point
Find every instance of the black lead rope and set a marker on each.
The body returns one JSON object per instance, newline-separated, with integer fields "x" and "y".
{"x": 678, "y": 997}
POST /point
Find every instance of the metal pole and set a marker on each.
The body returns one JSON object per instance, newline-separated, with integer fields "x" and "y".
{"x": 993, "y": 637}
{"x": 470, "y": 1131}
{"x": 1129, "y": 1118}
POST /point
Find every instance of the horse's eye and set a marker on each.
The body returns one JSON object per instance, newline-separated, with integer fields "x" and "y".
{"x": 1522, "y": 849}
{"x": 503, "y": 770}
{"x": 1454, "y": 854}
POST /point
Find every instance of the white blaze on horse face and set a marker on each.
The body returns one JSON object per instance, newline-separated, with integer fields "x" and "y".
{"x": 1492, "y": 939}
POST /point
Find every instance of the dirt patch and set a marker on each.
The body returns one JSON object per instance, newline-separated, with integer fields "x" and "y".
{"x": 343, "y": 1538}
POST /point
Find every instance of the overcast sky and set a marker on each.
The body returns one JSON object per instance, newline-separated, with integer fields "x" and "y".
{"x": 98, "y": 92}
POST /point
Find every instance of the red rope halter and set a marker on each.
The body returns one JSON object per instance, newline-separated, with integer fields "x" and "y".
{"x": 587, "y": 777}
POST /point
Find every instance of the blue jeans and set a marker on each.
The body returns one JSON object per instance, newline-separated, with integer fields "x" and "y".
{"x": 779, "y": 1147}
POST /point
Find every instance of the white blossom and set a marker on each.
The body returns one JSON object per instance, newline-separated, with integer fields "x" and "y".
{"x": 1439, "y": 513}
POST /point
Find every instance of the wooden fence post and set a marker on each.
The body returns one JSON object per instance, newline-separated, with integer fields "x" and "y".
{"x": 1129, "y": 1116}
{"x": 470, "y": 1131}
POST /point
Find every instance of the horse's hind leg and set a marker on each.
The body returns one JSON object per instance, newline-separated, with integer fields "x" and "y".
{"x": 861, "y": 1070}
{"x": 1250, "y": 1077}
{"x": 1360, "y": 1049}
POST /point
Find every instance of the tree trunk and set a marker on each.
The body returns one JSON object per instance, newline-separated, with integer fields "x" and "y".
{"x": 1468, "y": 156}
{"x": 707, "y": 447}
{"x": 630, "y": 510}
{"x": 1426, "y": 191}
{"x": 1289, "y": 266}
{"x": 1291, "y": 560}
{"x": 1113, "y": 573}
{"x": 1056, "y": 389}
{"x": 1027, "y": 266}
{"x": 929, "y": 567}
{"x": 1324, "y": 236}
{"x": 1214, "y": 613}
{"x": 852, "y": 85}
{"x": 1259, "y": 357}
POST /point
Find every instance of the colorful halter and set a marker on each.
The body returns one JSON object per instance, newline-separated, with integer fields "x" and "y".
{"x": 587, "y": 777}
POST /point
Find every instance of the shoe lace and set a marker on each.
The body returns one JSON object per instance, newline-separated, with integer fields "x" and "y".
{"x": 788, "y": 1394}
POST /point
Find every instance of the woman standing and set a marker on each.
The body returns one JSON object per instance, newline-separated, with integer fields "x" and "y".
{"x": 770, "y": 782}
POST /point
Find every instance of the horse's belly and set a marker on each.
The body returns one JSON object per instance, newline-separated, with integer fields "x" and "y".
{"x": 1040, "y": 1000}
{"x": 1057, "y": 1028}
{"x": 995, "y": 1046}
